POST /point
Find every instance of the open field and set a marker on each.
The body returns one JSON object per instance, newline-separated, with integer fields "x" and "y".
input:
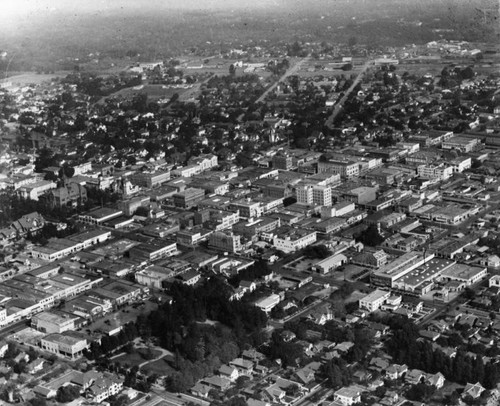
{"x": 27, "y": 78}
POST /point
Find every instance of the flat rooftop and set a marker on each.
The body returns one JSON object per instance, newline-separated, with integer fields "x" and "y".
{"x": 429, "y": 270}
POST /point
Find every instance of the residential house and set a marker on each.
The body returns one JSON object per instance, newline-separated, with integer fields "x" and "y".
{"x": 414, "y": 376}
{"x": 228, "y": 372}
{"x": 217, "y": 382}
{"x": 3, "y": 348}
{"x": 396, "y": 371}
{"x": 473, "y": 390}
{"x": 243, "y": 366}
{"x": 35, "y": 366}
{"x": 307, "y": 374}
{"x": 436, "y": 380}
{"x": 347, "y": 396}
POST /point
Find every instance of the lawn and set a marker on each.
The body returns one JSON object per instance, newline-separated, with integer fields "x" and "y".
{"x": 129, "y": 359}
{"x": 159, "y": 367}
{"x": 136, "y": 358}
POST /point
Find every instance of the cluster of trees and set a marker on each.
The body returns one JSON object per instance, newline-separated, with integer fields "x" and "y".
{"x": 319, "y": 251}
{"x": 404, "y": 347}
{"x": 201, "y": 347}
{"x": 279, "y": 68}
{"x": 289, "y": 353}
{"x": 256, "y": 271}
{"x": 112, "y": 343}
{"x": 68, "y": 393}
{"x": 370, "y": 236}
{"x": 337, "y": 373}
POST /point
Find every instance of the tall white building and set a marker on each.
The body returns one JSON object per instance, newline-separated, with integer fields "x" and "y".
{"x": 314, "y": 194}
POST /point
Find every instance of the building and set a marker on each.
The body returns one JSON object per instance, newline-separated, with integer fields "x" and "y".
{"x": 216, "y": 220}
{"x": 225, "y": 241}
{"x": 53, "y": 322}
{"x": 385, "y": 176}
{"x": 262, "y": 226}
{"x": 100, "y": 216}
{"x": 347, "y": 396}
{"x": 346, "y": 169}
{"x": 204, "y": 162}
{"x": 64, "y": 346}
{"x": 130, "y": 206}
{"x": 314, "y": 194}
{"x": 330, "y": 263}
{"x": 435, "y": 172}
{"x": 60, "y": 247}
{"x": 288, "y": 239}
{"x": 153, "y": 276}
{"x": 374, "y": 300}
{"x": 268, "y": 303}
{"x": 150, "y": 179}
{"x": 154, "y": 250}
{"x": 188, "y": 198}
{"x": 420, "y": 279}
{"x": 34, "y": 190}
{"x": 461, "y": 144}
{"x": 247, "y": 208}
{"x": 282, "y": 161}
{"x": 360, "y": 195}
{"x": 71, "y": 195}
{"x": 389, "y": 273}
{"x": 465, "y": 273}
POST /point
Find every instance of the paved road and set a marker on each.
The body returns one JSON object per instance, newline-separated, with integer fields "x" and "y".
{"x": 292, "y": 71}
{"x": 338, "y": 107}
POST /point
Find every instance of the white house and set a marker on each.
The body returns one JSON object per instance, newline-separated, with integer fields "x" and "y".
{"x": 347, "y": 396}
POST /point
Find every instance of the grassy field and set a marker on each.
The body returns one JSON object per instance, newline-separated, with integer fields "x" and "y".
{"x": 135, "y": 358}
{"x": 159, "y": 367}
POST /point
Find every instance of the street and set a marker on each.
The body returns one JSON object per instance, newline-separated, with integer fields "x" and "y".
{"x": 288, "y": 73}
{"x": 340, "y": 104}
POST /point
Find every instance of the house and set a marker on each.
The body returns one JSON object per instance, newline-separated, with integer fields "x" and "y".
{"x": 429, "y": 335}
{"x": 414, "y": 376}
{"x": 201, "y": 390}
{"x": 306, "y": 375}
{"x": 255, "y": 402}
{"x": 321, "y": 314}
{"x": 44, "y": 392}
{"x": 217, "y": 382}
{"x": 396, "y": 371}
{"x": 3, "y": 348}
{"x": 436, "y": 380}
{"x": 379, "y": 364}
{"x": 228, "y": 372}
{"x": 347, "y": 396}
{"x": 35, "y": 366}
{"x": 243, "y": 366}
{"x": 22, "y": 356}
{"x": 473, "y": 390}
{"x": 253, "y": 355}
{"x": 362, "y": 376}
{"x": 249, "y": 286}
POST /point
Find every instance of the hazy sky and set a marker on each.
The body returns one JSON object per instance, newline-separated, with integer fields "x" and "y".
{"x": 31, "y": 7}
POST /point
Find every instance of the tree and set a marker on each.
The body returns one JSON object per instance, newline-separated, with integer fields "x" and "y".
{"x": 37, "y": 401}
{"x": 420, "y": 392}
{"x": 67, "y": 393}
{"x": 371, "y": 236}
